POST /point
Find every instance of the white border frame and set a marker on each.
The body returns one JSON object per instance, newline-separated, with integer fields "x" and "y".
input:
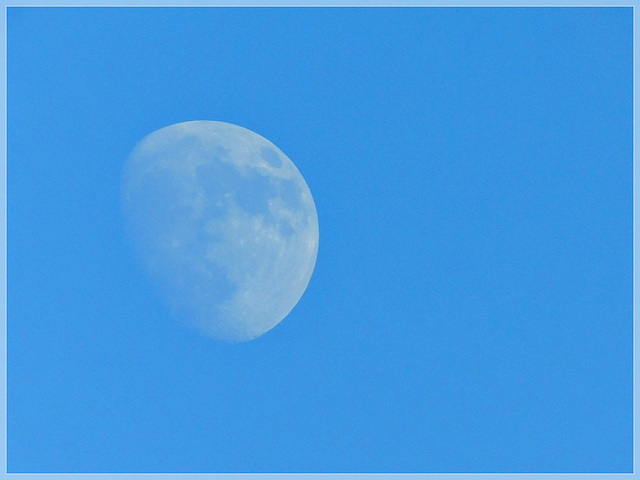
{"x": 308, "y": 4}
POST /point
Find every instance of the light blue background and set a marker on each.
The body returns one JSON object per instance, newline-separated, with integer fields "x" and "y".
{"x": 471, "y": 306}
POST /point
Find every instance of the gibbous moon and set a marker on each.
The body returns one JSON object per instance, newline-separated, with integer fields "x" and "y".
{"x": 225, "y": 224}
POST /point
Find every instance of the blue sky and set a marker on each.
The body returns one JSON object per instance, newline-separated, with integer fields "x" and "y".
{"x": 471, "y": 306}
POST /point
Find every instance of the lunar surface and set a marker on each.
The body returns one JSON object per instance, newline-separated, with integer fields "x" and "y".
{"x": 224, "y": 223}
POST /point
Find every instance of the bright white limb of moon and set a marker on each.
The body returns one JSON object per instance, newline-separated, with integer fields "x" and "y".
{"x": 225, "y": 224}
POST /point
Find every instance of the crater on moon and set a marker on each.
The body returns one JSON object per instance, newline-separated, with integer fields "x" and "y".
{"x": 225, "y": 224}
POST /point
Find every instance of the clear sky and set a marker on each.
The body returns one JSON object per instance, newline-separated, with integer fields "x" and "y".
{"x": 471, "y": 306}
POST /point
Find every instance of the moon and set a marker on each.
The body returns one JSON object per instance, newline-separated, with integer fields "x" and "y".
{"x": 224, "y": 223}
